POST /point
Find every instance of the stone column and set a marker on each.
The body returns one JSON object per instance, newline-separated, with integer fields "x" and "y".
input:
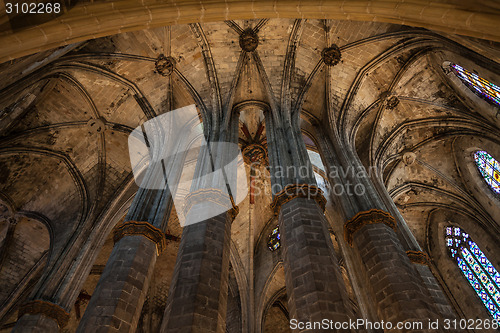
{"x": 314, "y": 283}
{"x": 117, "y": 300}
{"x": 398, "y": 291}
{"x": 419, "y": 258}
{"x": 41, "y": 316}
{"x": 116, "y": 303}
{"x": 395, "y": 284}
{"x": 197, "y": 299}
{"x": 422, "y": 263}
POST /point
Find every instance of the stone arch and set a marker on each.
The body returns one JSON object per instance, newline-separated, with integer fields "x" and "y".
{"x": 241, "y": 280}
{"x": 276, "y": 317}
{"x": 28, "y": 238}
{"x": 85, "y": 290}
{"x": 480, "y": 22}
{"x": 269, "y": 273}
{"x": 101, "y": 241}
{"x": 71, "y": 170}
{"x": 275, "y": 285}
{"x": 464, "y": 149}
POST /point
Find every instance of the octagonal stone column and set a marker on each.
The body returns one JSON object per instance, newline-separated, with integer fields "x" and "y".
{"x": 417, "y": 256}
{"x": 422, "y": 263}
{"x": 314, "y": 284}
{"x": 197, "y": 300}
{"x": 117, "y": 300}
{"x": 399, "y": 292}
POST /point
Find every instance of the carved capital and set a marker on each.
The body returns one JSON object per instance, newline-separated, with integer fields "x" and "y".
{"x": 418, "y": 257}
{"x": 140, "y": 228}
{"x": 361, "y": 219}
{"x": 298, "y": 191}
{"x": 207, "y": 195}
{"x": 48, "y": 309}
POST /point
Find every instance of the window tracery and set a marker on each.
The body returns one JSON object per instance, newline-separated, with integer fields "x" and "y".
{"x": 480, "y": 86}
{"x": 489, "y": 169}
{"x": 478, "y": 270}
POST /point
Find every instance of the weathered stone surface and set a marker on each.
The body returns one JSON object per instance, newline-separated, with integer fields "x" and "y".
{"x": 436, "y": 292}
{"x": 116, "y": 303}
{"x": 197, "y": 299}
{"x": 37, "y": 324}
{"x": 399, "y": 293}
{"x": 314, "y": 284}
{"x": 65, "y": 117}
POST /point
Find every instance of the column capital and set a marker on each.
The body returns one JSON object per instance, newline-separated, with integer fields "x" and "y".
{"x": 372, "y": 216}
{"x": 141, "y": 228}
{"x": 418, "y": 257}
{"x": 293, "y": 191}
{"x": 48, "y": 309}
{"x": 202, "y": 195}
{"x": 212, "y": 195}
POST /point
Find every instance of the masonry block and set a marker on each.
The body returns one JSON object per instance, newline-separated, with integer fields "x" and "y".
{"x": 397, "y": 288}
{"x": 117, "y": 301}
{"x": 36, "y": 323}
{"x": 314, "y": 283}
{"x": 197, "y": 300}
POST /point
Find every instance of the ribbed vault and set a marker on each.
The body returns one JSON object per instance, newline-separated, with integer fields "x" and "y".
{"x": 65, "y": 123}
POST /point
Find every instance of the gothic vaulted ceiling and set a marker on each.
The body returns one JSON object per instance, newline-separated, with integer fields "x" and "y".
{"x": 67, "y": 112}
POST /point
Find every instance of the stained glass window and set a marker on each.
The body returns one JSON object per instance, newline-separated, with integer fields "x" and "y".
{"x": 478, "y": 270}
{"x": 489, "y": 168}
{"x": 274, "y": 241}
{"x": 487, "y": 90}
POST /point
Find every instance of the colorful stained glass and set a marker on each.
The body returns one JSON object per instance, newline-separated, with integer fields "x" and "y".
{"x": 489, "y": 168}
{"x": 274, "y": 241}
{"x": 478, "y": 288}
{"x": 478, "y": 270}
{"x": 487, "y": 90}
